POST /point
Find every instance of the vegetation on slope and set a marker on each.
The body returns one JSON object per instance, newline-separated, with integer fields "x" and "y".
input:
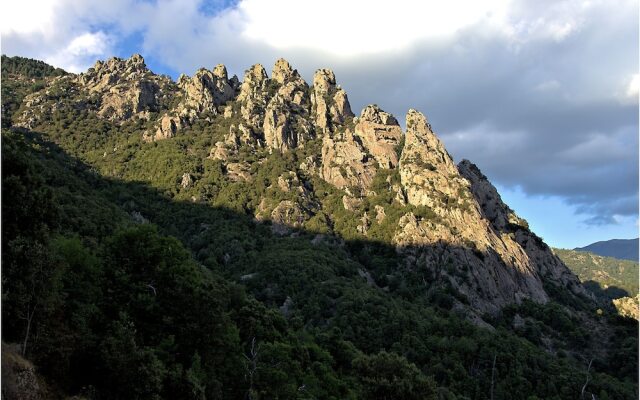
{"x": 119, "y": 282}
{"x": 604, "y": 276}
{"x": 21, "y": 76}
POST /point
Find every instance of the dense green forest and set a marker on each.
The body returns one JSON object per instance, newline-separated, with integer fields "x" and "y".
{"x": 120, "y": 282}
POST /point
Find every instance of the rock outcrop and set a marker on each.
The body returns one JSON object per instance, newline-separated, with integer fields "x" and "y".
{"x": 628, "y": 306}
{"x": 125, "y": 88}
{"x": 284, "y": 128}
{"x": 506, "y": 223}
{"x": 352, "y": 158}
{"x": 20, "y": 381}
{"x": 201, "y": 95}
{"x": 488, "y": 267}
{"x": 427, "y": 172}
{"x": 253, "y": 96}
{"x": 330, "y": 102}
{"x": 447, "y": 221}
{"x": 286, "y": 122}
{"x": 380, "y": 135}
{"x": 345, "y": 163}
{"x": 205, "y": 91}
{"x": 286, "y": 215}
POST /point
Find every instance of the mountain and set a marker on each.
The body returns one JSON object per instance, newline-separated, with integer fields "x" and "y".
{"x": 617, "y": 277}
{"x": 607, "y": 278}
{"x": 625, "y": 249}
{"x": 203, "y": 236}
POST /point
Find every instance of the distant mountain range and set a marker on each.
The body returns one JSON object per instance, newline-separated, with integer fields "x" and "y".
{"x": 625, "y": 249}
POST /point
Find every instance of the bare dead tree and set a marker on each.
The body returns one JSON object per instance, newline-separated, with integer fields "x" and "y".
{"x": 38, "y": 280}
{"x": 584, "y": 387}
{"x": 251, "y": 364}
{"x": 493, "y": 374}
{"x": 152, "y": 288}
{"x": 28, "y": 317}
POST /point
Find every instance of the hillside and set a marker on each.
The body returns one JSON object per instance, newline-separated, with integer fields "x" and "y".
{"x": 616, "y": 277}
{"x": 625, "y": 249}
{"x": 608, "y": 278}
{"x": 255, "y": 239}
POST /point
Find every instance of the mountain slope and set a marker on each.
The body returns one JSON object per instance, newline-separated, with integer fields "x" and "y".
{"x": 356, "y": 258}
{"x": 607, "y": 278}
{"x": 616, "y": 276}
{"x": 625, "y": 249}
{"x": 262, "y": 117}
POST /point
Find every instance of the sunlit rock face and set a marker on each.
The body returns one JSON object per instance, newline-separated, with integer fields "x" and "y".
{"x": 330, "y": 103}
{"x": 125, "y": 88}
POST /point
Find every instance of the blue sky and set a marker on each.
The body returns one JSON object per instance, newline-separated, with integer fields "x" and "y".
{"x": 541, "y": 95}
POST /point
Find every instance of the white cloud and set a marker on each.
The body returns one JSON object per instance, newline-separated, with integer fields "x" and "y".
{"x": 81, "y": 51}
{"x": 26, "y": 17}
{"x": 57, "y": 31}
{"x": 352, "y": 28}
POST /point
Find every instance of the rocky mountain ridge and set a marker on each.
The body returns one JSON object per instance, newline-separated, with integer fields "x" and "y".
{"x": 450, "y": 226}
{"x": 256, "y": 239}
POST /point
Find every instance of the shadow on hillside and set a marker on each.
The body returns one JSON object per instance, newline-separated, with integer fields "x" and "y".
{"x": 276, "y": 269}
{"x": 605, "y": 293}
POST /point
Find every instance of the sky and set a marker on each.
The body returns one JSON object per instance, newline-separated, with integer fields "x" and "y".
{"x": 542, "y": 95}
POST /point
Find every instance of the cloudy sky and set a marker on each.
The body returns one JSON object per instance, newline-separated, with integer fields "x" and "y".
{"x": 541, "y": 94}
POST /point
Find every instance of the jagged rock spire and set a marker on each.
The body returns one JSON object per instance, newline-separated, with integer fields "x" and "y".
{"x": 282, "y": 71}
{"x": 330, "y": 102}
{"x": 220, "y": 71}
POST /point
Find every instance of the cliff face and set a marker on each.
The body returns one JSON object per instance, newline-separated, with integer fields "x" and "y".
{"x": 449, "y": 225}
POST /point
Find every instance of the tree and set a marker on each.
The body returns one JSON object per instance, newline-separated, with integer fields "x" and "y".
{"x": 389, "y": 376}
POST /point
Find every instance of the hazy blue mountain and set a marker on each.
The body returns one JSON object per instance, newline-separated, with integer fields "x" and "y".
{"x": 626, "y": 249}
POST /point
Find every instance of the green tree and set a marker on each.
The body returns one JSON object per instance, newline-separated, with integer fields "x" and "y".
{"x": 389, "y": 376}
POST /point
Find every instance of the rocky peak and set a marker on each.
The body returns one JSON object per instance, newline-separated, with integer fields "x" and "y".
{"x": 494, "y": 209}
{"x": 253, "y": 97}
{"x": 287, "y": 124}
{"x": 282, "y": 71}
{"x": 330, "y": 103}
{"x": 352, "y": 158}
{"x": 373, "y": 113}
{"x": 253, "y": 83}
{"x": 220, "y": 71}
{"x": 324, "y": 80}
{"x": 136, "y": 61}
{"x": 380, "y": 133}
{"x": 205, "y": 90}
{"x": 107, "y": 73}
{"x": 427, "y": 171}
{"x": 201, "y": 94}
{"x": 126, "y": 88}
{"x": 467, "y": 223}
